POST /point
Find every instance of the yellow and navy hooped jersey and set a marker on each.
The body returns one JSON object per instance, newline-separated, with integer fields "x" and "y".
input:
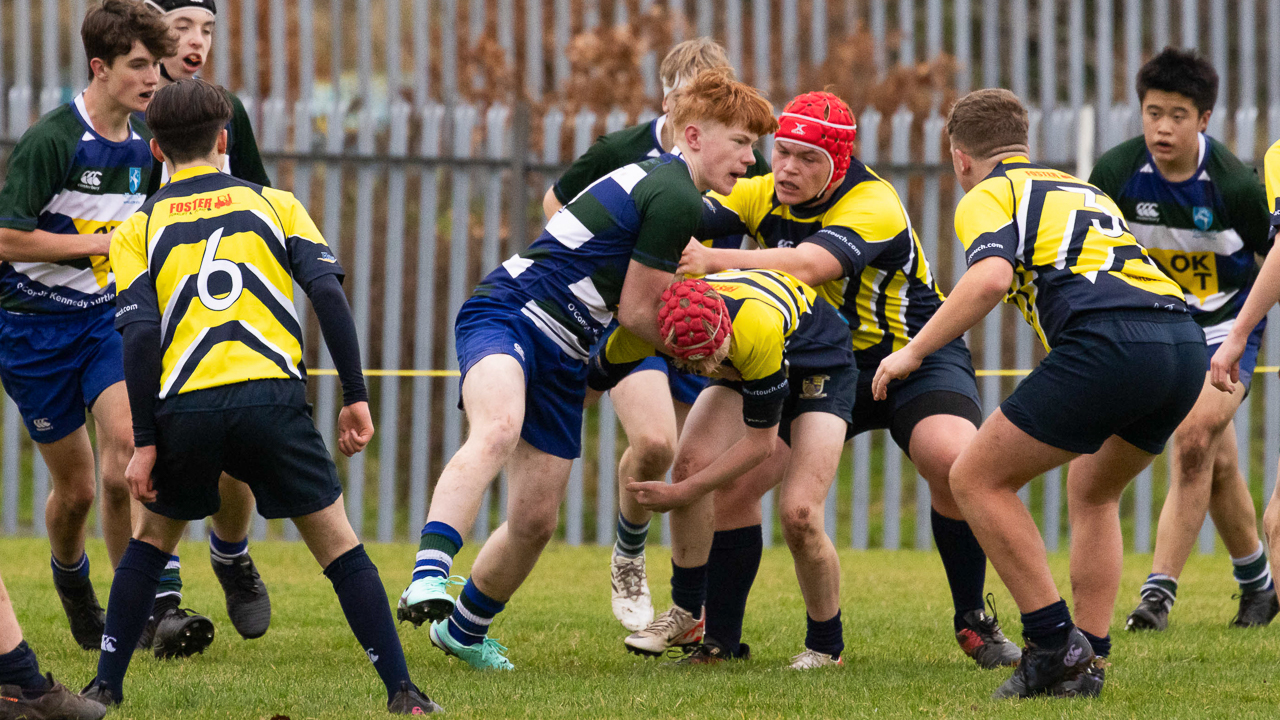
{"x": 887, "y": 292}
{"x": 1068, "y": 243}
{"x": 212, "y": 260}
{"x": 1271, "y": 169}
{"x": 779, "y": 323}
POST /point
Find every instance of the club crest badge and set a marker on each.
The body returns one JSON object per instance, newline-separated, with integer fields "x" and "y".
{"x": 1203, "y": 217}
{"x": 812, "y": 388}
{"x": 135, "y": 179}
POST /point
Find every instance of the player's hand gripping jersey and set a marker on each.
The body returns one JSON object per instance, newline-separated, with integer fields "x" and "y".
{"x": 1203, "y": 231}
{"x": 887, "y": 292}
{"x": 783, "y": 335}
{"x": 1069, "y": 246}
{"x": 213, "y": 260}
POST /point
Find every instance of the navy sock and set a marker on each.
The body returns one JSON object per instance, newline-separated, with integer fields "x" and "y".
{"x": 436, "y": 547}
{"x": 472, "y": 615}
{"x": 826, "y": 636}
{"x": 689, "y": 588}
{"x": 1049, "y": 626}
{"x": 224, "y": 552}
{"x": 1101, "y": 645}
{"x": 731, "y": 569}
{"x": 20, "y": 667}
{"x": 74, "y": 574}
{"x": 364, "y": 601}
{"x": 133, "y": 591}
{"x": 964, "y": 562}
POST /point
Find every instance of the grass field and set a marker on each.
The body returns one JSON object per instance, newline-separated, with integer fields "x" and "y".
{"x": 900, "y": 659}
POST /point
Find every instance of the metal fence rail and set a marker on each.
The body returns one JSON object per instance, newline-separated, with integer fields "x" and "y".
{"x": 420, "y": 197}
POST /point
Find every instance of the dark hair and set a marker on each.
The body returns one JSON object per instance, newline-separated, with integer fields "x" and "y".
{"x": 185, "y": 118}
{"x": 110, "y": 30}
{"x": 988, "y": 122}
{"x": 1183, "y": 72}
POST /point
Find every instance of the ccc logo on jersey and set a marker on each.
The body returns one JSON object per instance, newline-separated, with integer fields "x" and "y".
{"x": 1147, "y": 211}
{"x": 91, "y": 179}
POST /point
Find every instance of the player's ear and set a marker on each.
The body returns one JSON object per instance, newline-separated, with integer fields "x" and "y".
{"x": 98, "y": 67}
{"x": 156, "y": 152}
{"x": 221, "y": 143}
{"x": 1203, "y": 123}
{"x": 693, "y": 137}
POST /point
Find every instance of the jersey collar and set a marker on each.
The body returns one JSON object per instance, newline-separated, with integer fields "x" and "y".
{"x": 656, "y": 128}
{"x": 191, "y": 172}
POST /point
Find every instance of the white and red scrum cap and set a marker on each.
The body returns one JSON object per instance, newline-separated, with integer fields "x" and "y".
{"x": 825, "y": 123}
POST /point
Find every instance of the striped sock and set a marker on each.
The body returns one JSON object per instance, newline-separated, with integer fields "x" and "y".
{"x": 1252, "y": 572}
{"x": 169, "y": 591}
{"x": 631, "y": 538}
{"x": 225, "y": 553}
{"x": 73, "y": 574}
{"x": 439, "y": 543}
{"x": 1164, "y": 585}
{"x": 471, "y": 617}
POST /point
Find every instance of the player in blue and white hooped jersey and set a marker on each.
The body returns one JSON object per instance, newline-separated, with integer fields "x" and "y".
{"x": 524, "y": 339}
{"x": 72, "y": 178}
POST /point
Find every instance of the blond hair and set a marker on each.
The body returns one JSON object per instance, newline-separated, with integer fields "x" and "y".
{"x": 715, "y": 95}
{"x": 988, "y": 122}
{"x": 684, "y": 61}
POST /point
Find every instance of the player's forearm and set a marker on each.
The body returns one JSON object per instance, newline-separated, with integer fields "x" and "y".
{"x": 979, "y": 291}
{"x": 1262, "y": 297}
{"x": 638, "y": 304}
{"x": 339, "y": 331}
{"x": 751, "y": 450}
{"x": 142, "y": 368}
{"x": 44, "y": 246}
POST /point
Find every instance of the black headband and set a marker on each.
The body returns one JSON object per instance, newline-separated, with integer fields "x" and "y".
{"x": 168, "y": 6}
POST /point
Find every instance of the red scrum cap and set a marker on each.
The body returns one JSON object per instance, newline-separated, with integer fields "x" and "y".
{"x": 694, "y": 321}
{"x": 823, "y": 122}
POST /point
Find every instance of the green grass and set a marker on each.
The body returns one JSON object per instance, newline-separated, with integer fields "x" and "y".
{"x": 900, "y": 659}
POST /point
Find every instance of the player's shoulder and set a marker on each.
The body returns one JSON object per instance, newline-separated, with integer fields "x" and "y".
{"x": 666, "y": 175}
{"x": 1272, "y": 157}
{"x": 625, "y": 146}
{"x": 868, "y": 204}
{"x": 57, "y": 129}
{"x": 1226, "y": 169}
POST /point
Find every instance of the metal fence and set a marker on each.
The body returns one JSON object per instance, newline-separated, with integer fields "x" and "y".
{"x": 420, "y": 196}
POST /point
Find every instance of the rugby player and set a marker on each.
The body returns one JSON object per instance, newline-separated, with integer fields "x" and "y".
{"x": 613, "y": 249}
{"x": 1125, "y": 366}
{"x": 213, "y": 363}
{"x": 1202, "y": 216}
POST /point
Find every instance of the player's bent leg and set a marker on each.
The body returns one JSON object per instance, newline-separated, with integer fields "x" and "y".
{"x": 114, "y": 425}
{"x": 248, "y": 603}
{"x": 816, "y": 442}
{"x": 936, "y": 441}
{"x": 642, "y": 402}
{"x": 536, "y": 486}
{"x": 493, "y": 393}
{"x": 1234, "y": 517}
{"x": 363, "y": 598}
{"x": 71, "y": 472}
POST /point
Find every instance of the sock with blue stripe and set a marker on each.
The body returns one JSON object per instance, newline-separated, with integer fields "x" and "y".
{"x": 631, "y": 538}
{"x": 1164, "y": 585}
{"x": 439, "y": 543}
{"x": 1049, "y": 626}
{"x": 223, "y": 552}
{"x": 825, "y": 636}
{"x": 364, "y": 602}
{"x": 74, "y": 574}
{"x": 1252, "y": 571}
{"x": 472, "y": 615}
{"x": 20, "y": 667}
{"x": 133, "y": 590}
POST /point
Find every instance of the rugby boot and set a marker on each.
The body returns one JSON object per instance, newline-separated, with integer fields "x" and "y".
{"x": 1256, "y": 608}
{"x": 710, "y": 652}
{"x": 812, "y": 659}
{"x": 409, "y": 700}
{"x": 86, "y": 616}
{"x": 632, "y": 604}
{"x": 427, "y": 599}
{"x": 180, "y": 633}
{"x": 487, "y": 654}
{"x": 1151, "y": 614}
{"x": 982, "y": 639}
{"x": 1087, "y": 685}
{"x": 55, "y": 702}
{"x": 1040, "y": 669}
{"x": 96, "y": 691}
{"x": 248, "y": 604}
{"x": 673, "y": 628}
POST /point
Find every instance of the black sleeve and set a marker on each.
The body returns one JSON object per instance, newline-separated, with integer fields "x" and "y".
{"x": 763, "y": 400}
{"x": 848, "y": 247}
{"x": 719, "y": 221}
{"x": 339, "y": 332}
{"x": 142, "y": 369}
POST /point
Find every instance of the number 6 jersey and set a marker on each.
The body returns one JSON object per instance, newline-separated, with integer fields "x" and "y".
{"x": 1069, "y": 246}
{"x": 213, "y": 260}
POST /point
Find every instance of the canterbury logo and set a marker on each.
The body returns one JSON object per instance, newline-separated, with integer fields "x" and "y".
{"x": 91, "y": 178}
{"x": 1148, "y": 211}
{"x": 373, "y": 658}
{"x": 1073, "y": 656}
{"x": 108, "y": 644}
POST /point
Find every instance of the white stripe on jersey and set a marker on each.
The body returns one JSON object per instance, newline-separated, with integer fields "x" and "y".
{"x": 516, "y": 265}
{"x": 586, "y": 291}
{"x": 627, "y": 177}
{"x": 106, "y": 207}
{"x": 173, "y": 301}
{"x": 54, "y": 276}
{"x": 566, "y": 228}
{"x": 554, "y": 330}
{"x": 1215, "y": 334}
{"x": 284, "y": 302}
{"x": 1159, "y": 237}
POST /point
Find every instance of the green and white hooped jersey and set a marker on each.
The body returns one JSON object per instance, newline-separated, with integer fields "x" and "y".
{"x": 1203, "y": 232}
{"x": 65, "y": 178}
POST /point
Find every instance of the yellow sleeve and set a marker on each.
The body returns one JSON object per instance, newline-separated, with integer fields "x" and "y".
{"x": 984, "y": 209}
{"x": 624, "y": 347}
{"x": 129, "y": 251}
{"x": 872, "y": 210}
{"x": 1271, "y": 168}
{"x": 758, "y": 339}
{"x": 294, "y": 217}
{"x": 309, "y": 255}
{"x": 751, "y": 199}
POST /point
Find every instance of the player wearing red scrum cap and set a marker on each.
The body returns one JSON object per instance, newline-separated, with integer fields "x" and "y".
{"x": 830, "y": 221}
{"x": 784, "y": 359}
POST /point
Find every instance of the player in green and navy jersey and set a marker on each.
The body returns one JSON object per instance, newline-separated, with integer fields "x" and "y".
{"x": 524, "y": 339}
{"x": 72, "y": 178}
{"x": 826, "y": 218}
{"x": 1202, "y": 215}
{"x": 651, "y": 423}
{"x": 248, "y": 604}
